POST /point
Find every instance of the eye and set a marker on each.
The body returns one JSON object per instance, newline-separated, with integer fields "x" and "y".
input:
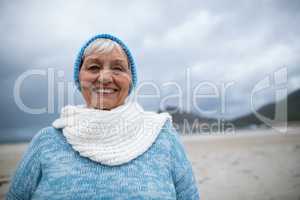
{"x": 118, "y": 68}
{"x": 93, "y": 68}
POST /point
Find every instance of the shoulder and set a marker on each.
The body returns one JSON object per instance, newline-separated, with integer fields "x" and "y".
{"x": 168, "y": 132}
{"x": 169, "y": 136}
{"x": 176, "y": 146}
{"x": 46, "y": 133}
{"x": 44, "y": 142}
{"x": 46, "y": 136}
{"x": 173, "y": 144}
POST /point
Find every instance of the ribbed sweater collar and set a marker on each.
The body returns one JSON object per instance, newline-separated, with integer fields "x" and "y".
{"x": 110, "y": 137}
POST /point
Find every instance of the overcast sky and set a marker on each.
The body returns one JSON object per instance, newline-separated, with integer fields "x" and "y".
{"x": 237, "y": 43}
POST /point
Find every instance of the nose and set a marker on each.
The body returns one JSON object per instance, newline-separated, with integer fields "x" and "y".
{"x": 105, "y": 76}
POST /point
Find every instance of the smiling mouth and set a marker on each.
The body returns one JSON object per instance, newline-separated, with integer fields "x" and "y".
{"x": 105, "y": 91}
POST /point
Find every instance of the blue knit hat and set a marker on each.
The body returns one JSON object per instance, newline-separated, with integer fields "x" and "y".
{"x": 79, "y": 60}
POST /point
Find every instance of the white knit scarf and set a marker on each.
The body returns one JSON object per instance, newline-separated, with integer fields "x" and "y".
{"x": 110, "y": 137}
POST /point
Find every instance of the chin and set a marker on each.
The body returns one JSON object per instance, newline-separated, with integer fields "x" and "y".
{"x": 103, "y": 106}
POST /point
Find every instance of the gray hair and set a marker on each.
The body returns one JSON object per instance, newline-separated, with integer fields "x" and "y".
{"x": 101, "y": 45}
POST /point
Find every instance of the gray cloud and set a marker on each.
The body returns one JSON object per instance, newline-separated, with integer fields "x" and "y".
{"x": 239, "y": 41}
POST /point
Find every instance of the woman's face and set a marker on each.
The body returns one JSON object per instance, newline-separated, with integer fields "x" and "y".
{"x": 105, "y": 79}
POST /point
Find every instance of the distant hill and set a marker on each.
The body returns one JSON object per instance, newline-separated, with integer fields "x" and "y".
{"x": 181, "y": 117}
{"x": 293, "y": 114}
{"x": 189, "y": 123}
{"x": 294, "y": 106}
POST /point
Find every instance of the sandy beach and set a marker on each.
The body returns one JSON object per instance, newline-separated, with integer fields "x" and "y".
{"x": 248, "y": 166}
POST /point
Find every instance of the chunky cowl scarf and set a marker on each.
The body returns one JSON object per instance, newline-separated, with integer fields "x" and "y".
{"x": 110, "y": 137}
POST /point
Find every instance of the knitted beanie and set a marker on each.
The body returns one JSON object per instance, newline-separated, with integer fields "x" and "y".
{"x": 79, "y": 59}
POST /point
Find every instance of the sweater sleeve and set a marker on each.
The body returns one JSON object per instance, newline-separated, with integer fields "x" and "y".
{"x": 28, "y": 172}
{"x": 182, "y": 172}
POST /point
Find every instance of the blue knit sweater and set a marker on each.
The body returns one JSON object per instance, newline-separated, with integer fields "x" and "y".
{"x": 51, "y": 169}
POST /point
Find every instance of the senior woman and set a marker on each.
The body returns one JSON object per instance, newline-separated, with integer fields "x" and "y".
{"x": 109, "y": 148}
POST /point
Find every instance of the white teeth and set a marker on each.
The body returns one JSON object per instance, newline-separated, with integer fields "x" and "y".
{"x": 106, "y": 91}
